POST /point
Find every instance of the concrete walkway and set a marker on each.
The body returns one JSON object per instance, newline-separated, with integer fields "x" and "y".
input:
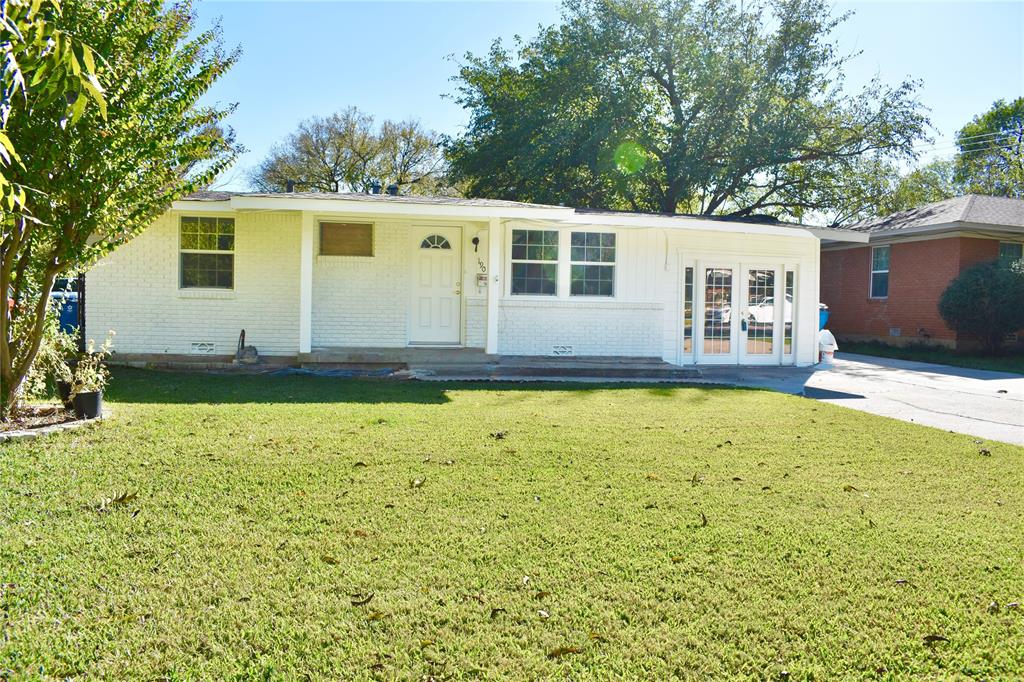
{"x": 976, "y": 402}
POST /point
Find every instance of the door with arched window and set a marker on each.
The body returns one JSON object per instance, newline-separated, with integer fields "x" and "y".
{"x": 436, "y": 315}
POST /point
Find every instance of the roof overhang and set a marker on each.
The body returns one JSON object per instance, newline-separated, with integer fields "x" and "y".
{"x": 405, "y": 208}
{"x": 556, "y": 215}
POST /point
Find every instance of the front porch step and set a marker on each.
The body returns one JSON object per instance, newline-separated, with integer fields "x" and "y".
{"x": 512, "y": 373}
{"x": 392, "y": 356}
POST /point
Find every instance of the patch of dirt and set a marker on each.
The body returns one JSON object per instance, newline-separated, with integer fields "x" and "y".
{"x": 36, "y": 417}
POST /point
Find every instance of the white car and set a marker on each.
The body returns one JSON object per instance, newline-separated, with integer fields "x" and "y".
{"x": 764, "y": 311}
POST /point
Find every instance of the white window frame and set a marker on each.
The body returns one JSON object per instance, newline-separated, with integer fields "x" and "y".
{"x": 557, "y": 263}
{"x": 614, "y": 265}
{"x": 564, "y": 263}
{"x": 873, "y": 272}
{"x": 219, "y": 252}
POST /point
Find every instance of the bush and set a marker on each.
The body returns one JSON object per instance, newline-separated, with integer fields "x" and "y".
{"x": 986, "y": 302}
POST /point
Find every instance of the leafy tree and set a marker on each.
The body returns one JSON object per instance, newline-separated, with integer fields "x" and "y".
{"x": 991, "y": 151}
{"x": 99, "y": 181}
{"x": 677, "y": 105}
{"x": 35, "y": 51}
{"x": 345, "y": 152}
{"x": 986, "y": 302}
{"x": 934, "y": 181}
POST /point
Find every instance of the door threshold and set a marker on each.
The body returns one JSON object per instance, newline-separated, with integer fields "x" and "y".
{"x": 434, "y": 345}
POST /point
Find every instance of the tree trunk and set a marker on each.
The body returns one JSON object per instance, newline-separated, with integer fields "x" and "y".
{"x": 18, "y": 362}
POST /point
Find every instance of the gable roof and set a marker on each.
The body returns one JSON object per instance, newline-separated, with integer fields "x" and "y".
{"x": 970, "y": 209}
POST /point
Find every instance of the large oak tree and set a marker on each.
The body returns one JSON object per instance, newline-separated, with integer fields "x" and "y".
{"x": 697, "y": 106}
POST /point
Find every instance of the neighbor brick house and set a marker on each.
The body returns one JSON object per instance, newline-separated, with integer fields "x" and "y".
{"x": 889, "y": 289}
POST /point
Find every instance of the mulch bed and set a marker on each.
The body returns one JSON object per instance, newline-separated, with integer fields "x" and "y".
{"x": 37, "y": 417}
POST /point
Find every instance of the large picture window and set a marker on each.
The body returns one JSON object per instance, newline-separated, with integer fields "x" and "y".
{"x": 535, "y": 262}
{"x": 880, "y": 272}
{"x": 207, "y": 247}
{"x": 592, "y": 266}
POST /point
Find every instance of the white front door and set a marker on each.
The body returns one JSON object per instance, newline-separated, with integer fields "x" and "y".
{"x": 437, "y": 286}
{"x": 737, "y": 319}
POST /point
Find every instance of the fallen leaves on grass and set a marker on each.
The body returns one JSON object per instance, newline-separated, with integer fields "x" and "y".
{"x": 118, "y": 500}
{"x": 558, "y": 652}
{"x": 495, "y": 612}
{"x": 543, "y": 614}
{"x": 328, "y": 559}
{"x": 499, "y": 435}
{"x": 417, "y": 482}
{"x": 850, "y": 488}
{"x": 374, "y": 616}
{"x": 703, "y": 521}
{"x": 360, "y": 600}
{"x": 933, "y": 639}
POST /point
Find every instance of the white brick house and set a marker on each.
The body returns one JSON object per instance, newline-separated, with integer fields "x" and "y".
{"x": 306, "y": 272}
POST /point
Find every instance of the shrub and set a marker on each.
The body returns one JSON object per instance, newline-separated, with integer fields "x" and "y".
{"x": 986, "y": 302}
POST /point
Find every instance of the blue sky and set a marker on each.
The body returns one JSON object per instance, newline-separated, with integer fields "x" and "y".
{"x": 391, "y": 59}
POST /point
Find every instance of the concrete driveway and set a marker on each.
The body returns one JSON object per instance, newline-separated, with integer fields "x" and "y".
{"x": 976, "y": 402}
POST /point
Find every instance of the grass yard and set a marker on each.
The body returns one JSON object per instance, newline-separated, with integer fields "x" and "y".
{"x": 288, "y": 528}
{"x": 1012, "y": 362}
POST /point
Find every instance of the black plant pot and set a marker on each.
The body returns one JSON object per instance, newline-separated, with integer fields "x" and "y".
{"x": 89, "y": 405}
{"x": 64, "y": 393}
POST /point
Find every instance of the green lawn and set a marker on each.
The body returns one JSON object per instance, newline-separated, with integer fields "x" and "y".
{"x": 936, "y": 354}
{"x": 289, "y": 528}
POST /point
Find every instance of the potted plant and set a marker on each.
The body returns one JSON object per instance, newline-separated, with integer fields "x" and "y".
{"x": 89, "y": 377}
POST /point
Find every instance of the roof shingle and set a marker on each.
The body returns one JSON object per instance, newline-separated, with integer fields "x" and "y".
{"x": 974, "y": 209}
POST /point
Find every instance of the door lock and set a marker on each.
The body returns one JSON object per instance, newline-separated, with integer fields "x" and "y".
{"x": 458, "y": 288}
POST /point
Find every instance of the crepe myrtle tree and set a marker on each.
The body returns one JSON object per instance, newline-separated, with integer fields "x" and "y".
{"x": 98, "y": 179}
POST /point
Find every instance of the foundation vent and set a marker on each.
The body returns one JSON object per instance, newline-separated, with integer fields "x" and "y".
{"x": 561, "y": 350}
{"x": 895, "y": 331}
{"x": 203, "y": 348}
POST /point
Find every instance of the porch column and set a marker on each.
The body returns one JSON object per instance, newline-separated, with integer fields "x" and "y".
{"x": 306, "y": 283}
{"x": 495, "y": 283}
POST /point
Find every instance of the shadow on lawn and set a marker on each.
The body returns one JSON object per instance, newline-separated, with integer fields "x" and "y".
{"x": 155, "y": 387}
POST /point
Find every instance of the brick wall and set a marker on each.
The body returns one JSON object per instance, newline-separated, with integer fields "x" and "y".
{"x": 534, "y": 327}
{"x": 919, "y": 271}
{"x": 134, "y": 291}
{"x": 364, "y": 301}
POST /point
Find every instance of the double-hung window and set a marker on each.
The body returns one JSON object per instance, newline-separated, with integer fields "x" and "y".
{"x": 535, "y": 262}
{"x": 207, "y": 253}
{"x": 1010, "y": 252}
{"x": 592, "y": 266}
{"x": 880, "y": 272}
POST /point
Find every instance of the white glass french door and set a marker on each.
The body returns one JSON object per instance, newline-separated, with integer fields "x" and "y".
{"x": 737, "y": 315}
{"x": 760, "y": 315}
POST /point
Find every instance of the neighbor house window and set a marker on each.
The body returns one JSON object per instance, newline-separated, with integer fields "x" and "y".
{"x": 535, "y": 262}
{"x": 592, "y": 264}
{"x": 1010, "y": 252}
{"x": 880, "y": 272}
{"x": 346, "y": 239}
{"x": 207, "y": 253}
